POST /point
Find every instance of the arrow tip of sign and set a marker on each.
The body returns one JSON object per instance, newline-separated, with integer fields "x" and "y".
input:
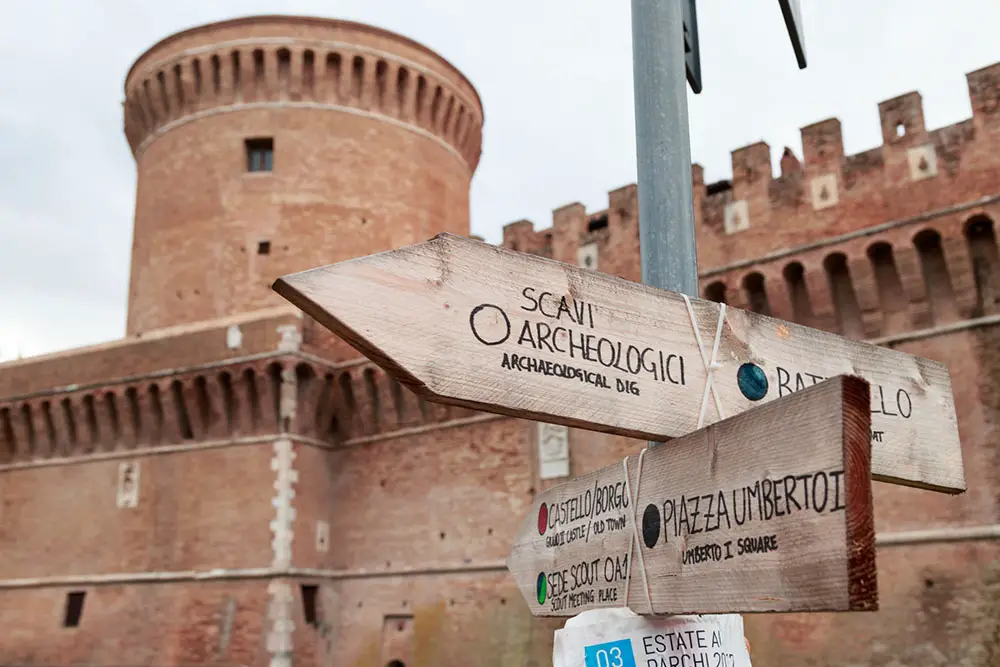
{"x": 283, "y": 287}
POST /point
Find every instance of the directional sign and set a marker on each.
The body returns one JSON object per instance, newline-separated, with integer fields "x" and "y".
{"x": 466, "y": 323}
{"x": 770, "y": 510}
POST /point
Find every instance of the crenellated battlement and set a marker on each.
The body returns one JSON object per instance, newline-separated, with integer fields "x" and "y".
{"x": 828, "y": 192}
{"x": 933, "y": 269}
{"x": 896, "y": 238}
{"x": 313, "y": 63}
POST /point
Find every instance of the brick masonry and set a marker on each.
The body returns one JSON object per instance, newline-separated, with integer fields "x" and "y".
{"x": 296, "y": 506}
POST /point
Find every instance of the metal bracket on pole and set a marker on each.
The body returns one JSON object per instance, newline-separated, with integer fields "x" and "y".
{"x": 692, "y": 51}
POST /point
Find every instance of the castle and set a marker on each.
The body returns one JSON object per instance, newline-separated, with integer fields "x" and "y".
{"x": 233, "y": 485}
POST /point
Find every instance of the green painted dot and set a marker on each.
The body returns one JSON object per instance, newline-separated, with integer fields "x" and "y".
{"x": 752, "y": 381}
{"x": 541, "y": 586}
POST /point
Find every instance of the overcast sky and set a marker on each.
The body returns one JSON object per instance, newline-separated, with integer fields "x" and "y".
{"x": 556, "y": 82}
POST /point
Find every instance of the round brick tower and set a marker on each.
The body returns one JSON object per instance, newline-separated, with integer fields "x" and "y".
{"x": 273, "y": 144}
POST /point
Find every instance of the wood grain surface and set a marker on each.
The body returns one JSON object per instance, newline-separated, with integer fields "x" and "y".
{"x": 770, "y": 510}
{"x": 466, "y": 323}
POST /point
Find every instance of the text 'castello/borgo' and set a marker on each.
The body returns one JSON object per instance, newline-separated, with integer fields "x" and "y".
{"x": 232, "y": 485}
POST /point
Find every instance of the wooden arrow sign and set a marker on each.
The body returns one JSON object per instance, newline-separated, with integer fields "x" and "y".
{"x": 471, "y": 324}
{"x": 770, "y": 510}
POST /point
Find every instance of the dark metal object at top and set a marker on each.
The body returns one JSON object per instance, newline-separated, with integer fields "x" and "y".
{"x": 692, "y": 56}
{"x": 792, "y": 11}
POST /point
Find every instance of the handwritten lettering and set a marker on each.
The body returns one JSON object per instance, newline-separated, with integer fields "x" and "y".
{"x": 566, "y": 331}
{"x": 589, "y": 504}
{"x": 574, "y": 586}
{"x": 885, "y": 400}
{"x": 762, "y": 501}
{"x": 545, "y": 367}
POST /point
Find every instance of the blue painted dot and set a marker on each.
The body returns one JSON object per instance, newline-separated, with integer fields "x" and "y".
{"x": 752, "y": 381}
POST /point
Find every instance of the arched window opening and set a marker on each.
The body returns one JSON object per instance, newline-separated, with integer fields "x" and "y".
{"x": 161, "y": 79}
{"x": 892, "y": 299}
{"x": 798, "y": 293}
{"x": 181, "y": 413}
{"x": 398, "y": 401}
{"x": 229, "y": 404}
{"x": 716, "y": 291}
{"x": 436, "y": 102}
{"x": 421, "y": 112}
{"x": 381, "y": 84}
{"x": 179, "y": 86}
{"x": 90, "y": 415}
{"x": 149, "y": 103}
{"x": 845, "y": 301}
{"x": 135, "y": 416}
{"x": 7, "y": 443}
{"x": 50, "y": 427}
{"x": 156, "y": 405}
{"x": 448, "y": 114}
{"x": 459, "y": 122}
{"x": 216, "y": 74}
{"x": 29, "y": 427}
{"x": 196, "y": 70}
{"x": 203, "y": 402}
{"x": 331, "y": 76}
{"x": 371, "y": 390}
{"x": 309, "y": 73}
{"x": 982, "y": 243}
{"x": 347, "y": 395}
{"x": 940, "y": 299}
{"x": 756, "y": 294}
{"x": 324, "y": 411}
{"x": 402, "y": 83}
{"x": 253, "y": 397}
{"x": 258, "y": 74}
{"x": 284, "y": 71}
{"x": 237, "y": 77}
{"x": 69, "y": 419}
{"x": 114, "y": 422}
{"x": 274, "y": 380}
{"x": 357, "y": 78}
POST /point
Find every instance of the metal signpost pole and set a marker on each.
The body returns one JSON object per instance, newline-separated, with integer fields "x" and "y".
{"x": 663, "y": 147}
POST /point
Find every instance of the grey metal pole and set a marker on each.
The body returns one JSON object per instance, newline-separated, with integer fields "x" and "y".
{"x": 663, "y": 147}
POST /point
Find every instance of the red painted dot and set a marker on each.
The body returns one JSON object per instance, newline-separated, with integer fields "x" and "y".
{"x": 543, "y": 518}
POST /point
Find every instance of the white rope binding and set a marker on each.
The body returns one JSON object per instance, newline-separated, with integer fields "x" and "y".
{"x": 711, "y": 365}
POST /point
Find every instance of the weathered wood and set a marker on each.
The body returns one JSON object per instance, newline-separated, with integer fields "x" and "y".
{"x": 770, "y": 510}
{"x": 467, "y": 323}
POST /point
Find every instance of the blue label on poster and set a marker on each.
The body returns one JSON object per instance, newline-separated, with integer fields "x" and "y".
{"x": 611, "y": 654}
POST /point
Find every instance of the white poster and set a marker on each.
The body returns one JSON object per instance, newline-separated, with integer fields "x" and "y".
{"x": 620, "y": 638}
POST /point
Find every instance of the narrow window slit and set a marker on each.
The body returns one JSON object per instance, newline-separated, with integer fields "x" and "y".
{"x": 181, "y": 410}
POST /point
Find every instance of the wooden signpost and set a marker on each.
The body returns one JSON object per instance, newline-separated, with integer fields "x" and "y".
{"x": 770, "y": 510}
{"x": 463, "y": 322}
